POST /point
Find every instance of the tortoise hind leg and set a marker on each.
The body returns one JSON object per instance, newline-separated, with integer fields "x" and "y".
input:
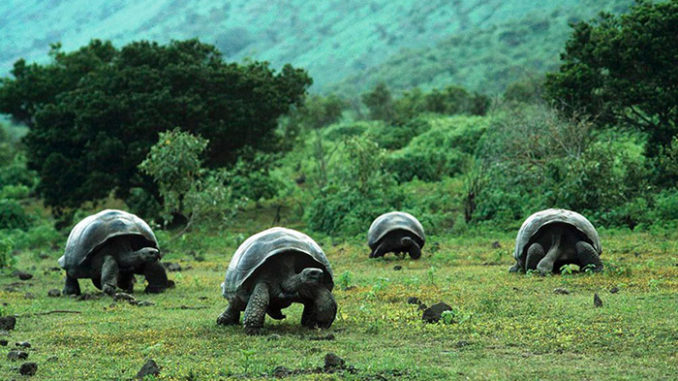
{"x": 231, "y": 316}
{"x": 535, "y": 253}
{"x": 156, "y": 276}
{"x": 380, "y": 250}
{"x": 72, "y": 286}
{"x": 588, "y": 256}
{"x": 256, "y": 309}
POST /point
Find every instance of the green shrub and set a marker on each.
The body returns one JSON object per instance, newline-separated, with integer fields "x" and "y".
{"x": 6, "y": 258}
{"x": 396, "y": 136}
{"x": 340, "y": 131}
{"x": 16, "y": 192}
{"x": 250, "y": 176}
{"x": 12, "y": 215}
{"x": 41, "y": 236}
{"x": 666, "y": 206}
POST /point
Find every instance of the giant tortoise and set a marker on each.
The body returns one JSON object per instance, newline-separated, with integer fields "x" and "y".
{"x": 109, "y": 248}
{"x": 273, "y": 269}
{"x": 396, "y": 232}
{"x": 551, "y": 238}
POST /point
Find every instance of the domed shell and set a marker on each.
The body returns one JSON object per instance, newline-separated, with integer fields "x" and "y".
{"x": 540, "y": 219}
{"x": 93, "y": 231}
{"x": 252, "y": 253}
{"x": 391, "y": 221}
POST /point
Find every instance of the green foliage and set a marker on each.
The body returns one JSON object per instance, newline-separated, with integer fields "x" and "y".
{"x": 355, "y": 193}
{"x": 396, "y": 136}
{"x": 94, "y": 113}
{"x": 174, "y": 163}
{"x": 622, "y": 70}
{"x": 250, "y": 176}
{"x": 12, "y": 215}
{"x": 442, "y": 150}
{"x": 7, "y": 260}
{"x": 379, "y": 102}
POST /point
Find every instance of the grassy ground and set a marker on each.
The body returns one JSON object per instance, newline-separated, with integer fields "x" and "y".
{"x": 504, "y": 326}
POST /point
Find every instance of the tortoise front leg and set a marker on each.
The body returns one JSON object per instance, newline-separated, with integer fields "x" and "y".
{"x": 126, "y": 281}
{"x": 321, "y": 312}
{"x": 256, "y": 309}
{"x": 156, "y": 276}
{"x": 72, "y": 286}
{"x": 109, "y": 275}
{"x": 411, "y": 247}
{"x": 545, "y": 266}
{"x": 587, "y": 255}
{"x": 231, "y": 315}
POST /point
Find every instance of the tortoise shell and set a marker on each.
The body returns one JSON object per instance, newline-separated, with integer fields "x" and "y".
{"x": 391, "y": 221}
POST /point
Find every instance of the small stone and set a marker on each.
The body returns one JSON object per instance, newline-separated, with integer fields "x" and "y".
{"x": 16, "y": 354}
{"x": 614, "y": 290}
{"x": 435, "y": 312}
{"x": 334, "y": 362}
{"x": 273, "y": 337}
{"x": 144, "y": 303}
{"x": 561, "y": 291}
{"x": 496, "y": 245}
{"x": 28, "y": 369}
{"x": 413, "y": 300}
{"x": 3, "y": 343}
{"x": 597, "y": 301}
{"x": 172, "y": 266}
{"x": 397, "y": 267}
{"x": 150, "y": 367}
{"x": 23, "y": 344}
{"x": 29, "y": 296}
{"x": 54, "y": 293}
{"x": 7, "y": 323}
{"x": 281, "y": 372}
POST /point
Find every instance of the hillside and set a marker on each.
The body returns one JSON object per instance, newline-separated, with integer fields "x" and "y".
{"x": 345, "y": 45}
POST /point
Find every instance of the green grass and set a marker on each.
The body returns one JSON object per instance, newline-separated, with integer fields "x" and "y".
{"x": 509, "y": 326}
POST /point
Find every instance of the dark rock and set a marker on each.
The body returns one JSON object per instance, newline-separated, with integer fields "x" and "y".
{"x": 496, "y": 245}
{"x": 281, "y": 372}
{"x": 7, "y": 323}
{"x": 172, "y": 266}
{"x": 397, "y": 267}
{"x": 597, "y": 301}
{"x": 3, "y": 343}
{"x": 23, "y": 344}
{"x": 433, "y": 313}
{"x": 614, "y": 290}
{"x": 54, "y": 293}
{"x": 22, "y": 275}
{"x": 17, "y": 355}
{"x": 28, "y": 295}
{"x": 413, "y": 300}
{"x": 150, "y": 367}
{"x": 333, "y": 362}
{"x": 28, "y": 368}
{"x": 321, "y": 338}
{"x": 561, "y": 291}
{"x": 88, "y": 296}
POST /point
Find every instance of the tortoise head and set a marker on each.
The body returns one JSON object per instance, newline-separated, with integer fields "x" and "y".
{"x": 311, "y": 275}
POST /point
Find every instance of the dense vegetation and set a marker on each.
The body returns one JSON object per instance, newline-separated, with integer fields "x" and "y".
{"x": 348, "y": 46}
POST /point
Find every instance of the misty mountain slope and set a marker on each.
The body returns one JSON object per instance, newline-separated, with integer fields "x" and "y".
{"x": 346, "y": 45}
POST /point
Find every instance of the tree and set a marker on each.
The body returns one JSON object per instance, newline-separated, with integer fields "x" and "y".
{"x": 94, "y": 113}
{"x": 623, "y": 71}
{"x": 380, "y": 103}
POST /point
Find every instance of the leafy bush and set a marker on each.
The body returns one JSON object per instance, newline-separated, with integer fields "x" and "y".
{"x": 340, "y": 131}
{"x": 6, "y": 258}
{"x": 396, "y": 136}
{"x": 250, "y": 176}
{"x": 440, "y": 151}
{"x": 12, "y": 215}
{"x": 357, "y": 191}
{"x": 39, "y": 237}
